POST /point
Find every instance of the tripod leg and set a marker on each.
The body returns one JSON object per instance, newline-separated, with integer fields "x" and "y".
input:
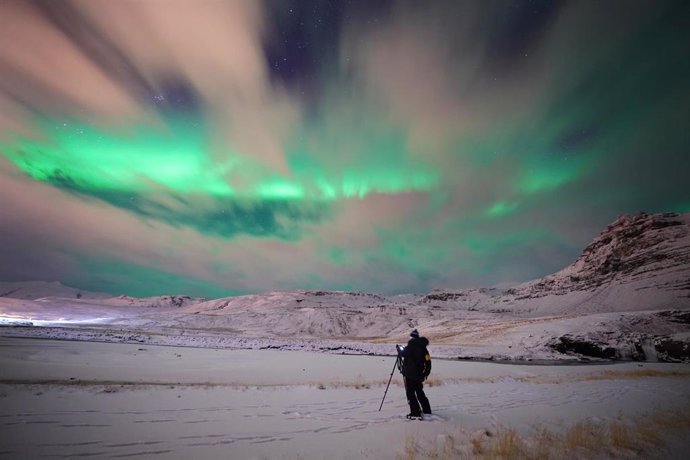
{"x": 389, "y": 383}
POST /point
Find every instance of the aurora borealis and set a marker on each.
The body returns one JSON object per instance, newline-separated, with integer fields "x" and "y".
{"x": 223, "y": 147}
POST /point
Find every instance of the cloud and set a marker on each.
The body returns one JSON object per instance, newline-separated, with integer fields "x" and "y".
{"x": 30, "y": 70}
{"x": 393, "y": 148}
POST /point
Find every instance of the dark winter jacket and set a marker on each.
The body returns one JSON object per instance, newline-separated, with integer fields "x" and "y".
{"x": 416, "y": 359}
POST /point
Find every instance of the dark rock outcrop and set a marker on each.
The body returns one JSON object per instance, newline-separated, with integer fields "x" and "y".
{"x": 672, "y": 350}
{"x": 571, "y": 345}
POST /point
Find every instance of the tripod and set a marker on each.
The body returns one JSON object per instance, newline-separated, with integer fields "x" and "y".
{"x": 398, "y": 364}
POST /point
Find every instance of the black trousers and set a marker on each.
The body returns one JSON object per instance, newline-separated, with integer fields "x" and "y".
{"x": 414, "y": 389}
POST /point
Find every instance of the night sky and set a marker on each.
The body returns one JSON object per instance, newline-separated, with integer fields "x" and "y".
{"x": 214, "y": 148}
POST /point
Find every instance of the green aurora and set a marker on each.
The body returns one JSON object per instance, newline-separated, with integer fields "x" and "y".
{"x": 563, "y": 129}
{"x": 177, "y": 159}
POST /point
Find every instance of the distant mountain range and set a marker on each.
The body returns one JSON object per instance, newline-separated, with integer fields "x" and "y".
{"x": 628, "y": 291}
{"x": 639, "y": 262}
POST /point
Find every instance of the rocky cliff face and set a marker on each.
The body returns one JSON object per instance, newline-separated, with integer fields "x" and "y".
{"x": 643, "y": 251}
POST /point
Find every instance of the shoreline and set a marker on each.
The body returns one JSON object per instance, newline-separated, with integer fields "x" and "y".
{"x": 342, "y": 347}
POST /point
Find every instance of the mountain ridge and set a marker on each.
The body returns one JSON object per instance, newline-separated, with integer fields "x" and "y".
{"x": 638, "y": 262}
{"x": 627, "y": 296}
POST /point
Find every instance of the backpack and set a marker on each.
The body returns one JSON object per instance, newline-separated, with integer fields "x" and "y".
{"x": 416, "y": 363}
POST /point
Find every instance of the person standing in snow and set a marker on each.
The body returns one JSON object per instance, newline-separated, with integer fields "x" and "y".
{"x": 416, "y": 366}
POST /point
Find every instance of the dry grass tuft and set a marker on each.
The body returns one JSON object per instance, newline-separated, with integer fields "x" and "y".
{"x": 638, "y": 373}
{"x": 584, "y": 434}
{"x": 410, "y": 450}
{"x": 649, "y": 435}
{"x": 621, "y": 435}
{"x": 677, "y": 420}
{"x": 444, "y": 449}
{"x": 449, "y": 446}
{"x": 433, "y": 381}
{"x": 476, "y": 442}
{"x": 508, "y": 445}
{"x": 640, "y": 437}
{"x": 110, "y": 389}
{"x": 543, "y": 441}
{"x": 605, "y": 375}
{"x": 358, "y": 383}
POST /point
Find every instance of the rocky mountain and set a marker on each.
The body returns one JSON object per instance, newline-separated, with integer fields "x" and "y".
{"x": 649, "y": 250}
{"x": 639, "y": 262}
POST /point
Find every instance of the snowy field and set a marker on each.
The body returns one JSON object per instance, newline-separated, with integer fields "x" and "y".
{"x": 69, "y": 399}
{"x": 301, "y": 374}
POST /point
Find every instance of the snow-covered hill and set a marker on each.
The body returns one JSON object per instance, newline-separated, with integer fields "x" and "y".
{"x": 309, "y": 313}
{"x": 32, "y": 290}
{"x": 626, "y": 296}
{"x": 54, "y": 292}
{"x": 639, "y": 262}
{"x": 643, "y": 251}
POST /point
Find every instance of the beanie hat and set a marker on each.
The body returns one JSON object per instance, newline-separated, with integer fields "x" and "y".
{"x": 414, "y": 334}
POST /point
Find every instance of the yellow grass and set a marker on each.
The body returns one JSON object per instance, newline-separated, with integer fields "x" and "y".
{"x": 409, "y": 452}
{"x": 621, "y": 435}
{"x": 433, "y": 381}
{"x": 637, "y": 373}
{"x": 604, "y": 375}
{"x": 508, "y": 445}
{"x": 551, "y": 380}
{"x": 639, "y": 437}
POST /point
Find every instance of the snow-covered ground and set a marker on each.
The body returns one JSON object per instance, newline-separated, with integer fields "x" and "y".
{"x": 301, "y": 374}
{"x": 66, "y": 399}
